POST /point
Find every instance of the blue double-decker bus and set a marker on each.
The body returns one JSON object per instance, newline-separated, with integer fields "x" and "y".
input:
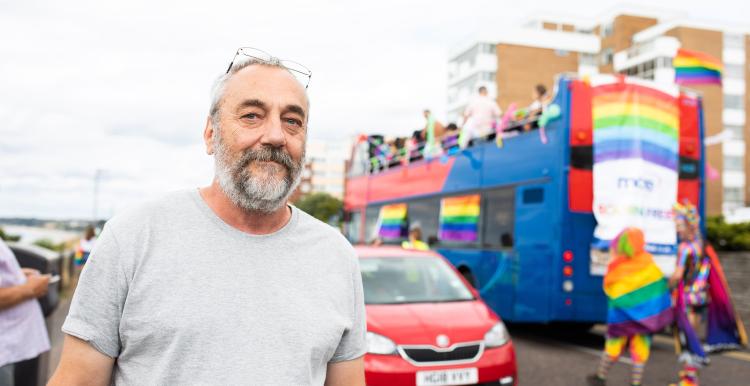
{"x": 530, "y": 257}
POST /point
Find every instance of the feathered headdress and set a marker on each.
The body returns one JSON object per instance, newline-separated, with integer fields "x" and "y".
{"x": 688, "y": 213}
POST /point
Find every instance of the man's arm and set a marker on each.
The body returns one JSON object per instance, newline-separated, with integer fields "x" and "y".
{"x": 346, "y": 373}
{"x": 35, "y": 287}
{"x": 82, "y": 365}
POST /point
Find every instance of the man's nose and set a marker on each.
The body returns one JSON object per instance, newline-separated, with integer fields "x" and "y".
{"x": 274, "y": 133}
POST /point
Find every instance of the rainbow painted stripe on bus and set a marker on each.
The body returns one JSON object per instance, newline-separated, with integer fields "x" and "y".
{"x": 459, "y": 217}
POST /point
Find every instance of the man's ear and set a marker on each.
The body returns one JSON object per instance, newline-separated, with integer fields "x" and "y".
{"x": 208, "y": 136}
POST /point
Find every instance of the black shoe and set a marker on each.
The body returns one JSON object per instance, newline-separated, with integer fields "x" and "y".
{"x": 594, "y": 380}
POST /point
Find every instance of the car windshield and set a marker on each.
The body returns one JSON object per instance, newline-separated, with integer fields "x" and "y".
{"x": 396, "y": 280}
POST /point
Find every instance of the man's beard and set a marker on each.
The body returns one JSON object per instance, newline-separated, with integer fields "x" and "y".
{"x": 256, "y": 193}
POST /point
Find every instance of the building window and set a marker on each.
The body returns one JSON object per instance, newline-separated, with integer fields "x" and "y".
{"x": 607, "y": 29}
{"x": 736, "y": 41}
{"x": 561, "y": 52}
{"x": 606, "y": 57}
{"x": 734, "y": 71}
{"x": 734, "y": 163}
{"x": 736, "y": 102}
{"x": 738, "y": 132}
{"x": 734, "y": 195}
{"x": 587, "y": 60}
{"x": 664, "y": 62}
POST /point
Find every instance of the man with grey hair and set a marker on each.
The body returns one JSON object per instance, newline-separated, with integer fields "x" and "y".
{"x": 227, "y": 284}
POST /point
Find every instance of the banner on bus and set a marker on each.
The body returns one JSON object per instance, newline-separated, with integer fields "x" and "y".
{"x": 392, "y": 222}
{"x": 459, "y": 218}
{"x": 636, "y": 159}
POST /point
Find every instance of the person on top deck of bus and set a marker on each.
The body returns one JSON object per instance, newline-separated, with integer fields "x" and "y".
{"x": 433, "y": 134}
{"x": 480, "y": 118}
{"x": 540, "y": 99}
{"x": 415, "y": 239}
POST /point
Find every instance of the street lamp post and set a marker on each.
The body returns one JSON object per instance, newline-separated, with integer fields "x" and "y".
{"x": 97, "y": 178}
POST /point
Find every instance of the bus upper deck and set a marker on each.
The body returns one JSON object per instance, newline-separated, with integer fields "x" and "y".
{"x": 525, "y": 240}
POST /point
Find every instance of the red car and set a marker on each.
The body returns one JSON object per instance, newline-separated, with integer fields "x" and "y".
{"x": 426, "y": 326}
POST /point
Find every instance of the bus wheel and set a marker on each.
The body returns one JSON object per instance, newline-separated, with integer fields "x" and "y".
{"x": 466, "y": 273}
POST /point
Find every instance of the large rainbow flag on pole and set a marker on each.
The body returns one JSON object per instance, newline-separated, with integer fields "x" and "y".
{"x": 696, "y": 68}
{"x": 459, "y": 217}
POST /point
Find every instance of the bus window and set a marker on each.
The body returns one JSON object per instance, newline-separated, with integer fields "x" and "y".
{"x": 371, "y": 223}
{"x": 425, "y": 212}
{"x": 353, "y": 226}
{"x": 499, "y": 206}
{"x": 533, "y": 196}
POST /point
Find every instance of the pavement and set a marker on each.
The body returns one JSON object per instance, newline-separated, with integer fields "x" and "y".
{"x": 555, "y": 355}
{"x": 552, "y": 356}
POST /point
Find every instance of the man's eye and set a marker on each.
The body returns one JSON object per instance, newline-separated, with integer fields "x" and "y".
{"x": 250, "y": 116}
{"x": 292, "y": 121}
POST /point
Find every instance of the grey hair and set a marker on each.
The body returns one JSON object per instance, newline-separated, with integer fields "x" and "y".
{"x": 217, "y": 91}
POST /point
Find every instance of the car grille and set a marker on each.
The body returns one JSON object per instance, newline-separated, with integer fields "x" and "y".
{"x": 427, "y": 355}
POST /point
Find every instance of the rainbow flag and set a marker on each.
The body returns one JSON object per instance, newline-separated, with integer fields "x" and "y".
{"x": 632, "y": 121}
{"x": 459, "y": 218}
{"x": 392, "y": 221}
{"x": 638, "y": 295}
{"x": 693, "y": 68}
{"x": 725, "y": 328}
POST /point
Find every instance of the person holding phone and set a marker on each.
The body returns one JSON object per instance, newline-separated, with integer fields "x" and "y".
{"x": 23, "y": 332}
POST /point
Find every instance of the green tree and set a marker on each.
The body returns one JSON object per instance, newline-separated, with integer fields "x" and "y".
{"x": 7, "y": 237}
{"x": 727, "y": 237}
{"x": 322, "y": 206}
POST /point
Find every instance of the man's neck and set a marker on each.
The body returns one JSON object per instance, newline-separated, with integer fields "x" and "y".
{"x": 253, "y": 222}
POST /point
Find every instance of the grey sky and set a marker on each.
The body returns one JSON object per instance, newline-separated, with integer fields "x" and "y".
{"x": 123, "y": 86}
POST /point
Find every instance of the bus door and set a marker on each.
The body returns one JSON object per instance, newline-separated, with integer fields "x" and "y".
{"x": 497, "y": 266}
{"x": 536, "y": 236}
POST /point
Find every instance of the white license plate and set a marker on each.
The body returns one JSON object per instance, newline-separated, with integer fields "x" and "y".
{"x": 448, "y": 377}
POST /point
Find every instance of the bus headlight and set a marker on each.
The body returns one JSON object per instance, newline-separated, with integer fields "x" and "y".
{"x": 496, "y": 336}
{"x": 378, "y": 344}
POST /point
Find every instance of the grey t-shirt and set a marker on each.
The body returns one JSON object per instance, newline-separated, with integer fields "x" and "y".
{"x": 181, "y": 298}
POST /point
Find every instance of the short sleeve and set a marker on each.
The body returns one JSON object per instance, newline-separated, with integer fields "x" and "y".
{"x": 97, "y": 304}
{"x": 353, "y": 344}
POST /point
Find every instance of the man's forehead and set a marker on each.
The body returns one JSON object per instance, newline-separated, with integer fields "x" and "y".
{"x": 272, "y": 85}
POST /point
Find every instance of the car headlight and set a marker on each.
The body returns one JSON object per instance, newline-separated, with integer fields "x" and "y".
{"x": 496, "y": 336}
{"x": 378, "y": 344}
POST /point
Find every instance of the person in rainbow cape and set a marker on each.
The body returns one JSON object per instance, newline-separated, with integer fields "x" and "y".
{"x": 700, "y": 288}
{"x": 639, "y": 305}
{"x": 84, "y": 246}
